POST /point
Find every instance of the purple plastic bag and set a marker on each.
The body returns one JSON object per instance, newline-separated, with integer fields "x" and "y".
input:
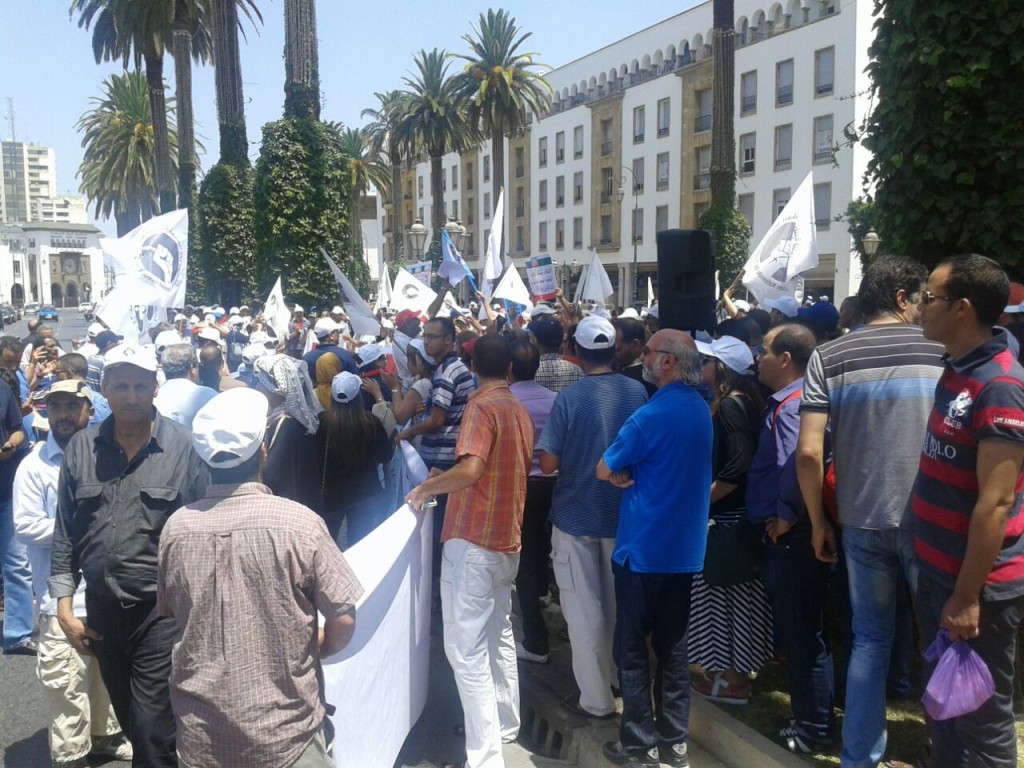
{"x": 961, "y": 682}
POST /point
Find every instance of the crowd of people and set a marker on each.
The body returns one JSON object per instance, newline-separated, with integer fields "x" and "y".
{"x": 177, "y": 515}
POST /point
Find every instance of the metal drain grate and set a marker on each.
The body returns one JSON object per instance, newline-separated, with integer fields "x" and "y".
{"x": 547, "y": 733}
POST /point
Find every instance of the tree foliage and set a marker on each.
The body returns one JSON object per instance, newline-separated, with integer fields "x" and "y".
{"x": 302, "y": 193}
{"x": 861, "y": 217}
{"x": 226, "y": 269}
{"x": 948, "y": 149}
{"x": 731, "y": 233}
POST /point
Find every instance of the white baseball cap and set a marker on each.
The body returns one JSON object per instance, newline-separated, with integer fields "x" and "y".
{"x": 1012, "y": 309}
{"x": 595, "y": 332}
{"x": 231, "y": 424}
{"x": 165, "y": 339}
{"x": 209, "y": 334}
{"x": 130, "y": 354}
{"x": 742, "y": 305}
{"x": 298, "y": 308}
{"x": 540, "y": 310}
{"x": 731, "y": 351}
{"x": 421, "y": 350}
{"x": 336, "y": 310}
{"x": 252, "y": 351}
{"x": 787, "y": 305}
{"x": 629, "y": 314}
{"x": 368, "y": 354}
{"x": 324, "y": 327}
{"x": 345, "y": 387}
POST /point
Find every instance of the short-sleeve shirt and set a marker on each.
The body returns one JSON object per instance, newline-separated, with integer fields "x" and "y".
{"x": 666, "y": 445}
{"x": 583, "y": 422}
{"x": 877, "y": 386}
{"x": 556, "y": 373}
{"x": 245, "y": 573}
{"x": 453, "y": 384}
{"x": 979, "y": 397}
{"x": 496, "y": 429}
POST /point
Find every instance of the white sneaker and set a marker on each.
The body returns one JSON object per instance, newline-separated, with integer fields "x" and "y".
{"x": 116, "y": 746}
{"x": 525, "y": 655}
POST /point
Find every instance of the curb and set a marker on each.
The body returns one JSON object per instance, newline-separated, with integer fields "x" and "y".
{"x": 734, "y": 743}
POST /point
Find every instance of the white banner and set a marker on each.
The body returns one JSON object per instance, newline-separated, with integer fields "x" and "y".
{"x": 788, "y": 248}
{"x": 378, "y": 683}
{"x": 276, "y": 312}
{"x": 512, "y": 287}
{"x": 410, "y": 293}
{"x": 360, "y": 317}
{"x": 597, "y": 286}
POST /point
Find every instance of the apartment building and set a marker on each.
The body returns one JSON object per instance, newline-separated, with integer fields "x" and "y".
{"x": 624, "y": 150}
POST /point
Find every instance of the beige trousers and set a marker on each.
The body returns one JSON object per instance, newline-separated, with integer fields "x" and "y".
{"x": 79, "y": 706}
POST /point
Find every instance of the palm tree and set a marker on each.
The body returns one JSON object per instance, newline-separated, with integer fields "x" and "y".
{"x": 131, "y": 30}
{"x": 119, "y": 163}
{"x": 301, "y": 60}
{"x": 382, "y": 135}
{"x": 365, "y": 170}
{"x": 501, "y": 84}
{"x": 435, "y": 121}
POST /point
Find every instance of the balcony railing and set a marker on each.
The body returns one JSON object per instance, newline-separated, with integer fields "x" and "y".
{"x": 783, "y": 163}
{"x": 638, "y": 137}
{"x": 784, "y": 95}
{"x": 823, "y": 88}
{"x": 559, "y": 155}
{"x": 662, "y": 130}
{"x": 606, "y": 147}
{"x": 606, "y": 196}
{"x": 822, "y": 155}
{"x": 702, "y": 181}
{"x": 749, "y": 105}
{"x": 702, "y": 123}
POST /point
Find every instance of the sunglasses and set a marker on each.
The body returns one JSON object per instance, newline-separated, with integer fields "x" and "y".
{"x": 927, "y": 297}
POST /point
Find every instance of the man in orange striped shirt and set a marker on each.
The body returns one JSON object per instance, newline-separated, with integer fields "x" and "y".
{"x": 481, "y": 538}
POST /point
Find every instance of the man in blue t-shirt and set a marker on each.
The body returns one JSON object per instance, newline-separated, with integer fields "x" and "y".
{"x": 585, "y": 419}
{"x": 662, "y": 457}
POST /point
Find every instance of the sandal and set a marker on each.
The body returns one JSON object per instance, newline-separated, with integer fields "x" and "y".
{"x": 719, "y": 689}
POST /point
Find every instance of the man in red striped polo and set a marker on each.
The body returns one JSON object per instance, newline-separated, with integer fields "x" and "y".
{"x": 969, "y": 528}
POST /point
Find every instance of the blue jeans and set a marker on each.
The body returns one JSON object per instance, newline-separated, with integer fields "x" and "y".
{"x": 796, "y": 583}
{"x": 18, "y": 616}
{"x": 659, "y": 604}
{"x": 874, "y": 560}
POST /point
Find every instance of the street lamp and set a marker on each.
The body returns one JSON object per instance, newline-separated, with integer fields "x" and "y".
{"x": 456, "y": 232}
{"x": 417, "y": 238}
{"x": 871, "y": 241}
{"x": 636, "y": 201}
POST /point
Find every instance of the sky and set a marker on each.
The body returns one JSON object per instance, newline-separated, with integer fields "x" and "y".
{"x": 47, "y": 66}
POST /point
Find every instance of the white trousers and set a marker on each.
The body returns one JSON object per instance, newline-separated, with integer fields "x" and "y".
{"x": 476, "y": 605}
{"x": 78, "y": 704}
{"x": 586, "y": 589}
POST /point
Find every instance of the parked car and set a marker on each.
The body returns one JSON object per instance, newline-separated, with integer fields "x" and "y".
{"x": 85, "y": 306}
{"x": 31, "y": 310}
{"x": 9, "y": 313}
{"x": 49, "y": 312}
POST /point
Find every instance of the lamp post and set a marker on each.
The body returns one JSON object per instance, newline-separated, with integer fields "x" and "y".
{"x": 417, "y": 238}
{"x": 871, "y": 241}
{"x": 457, "y": 233}
{"x": 636, "y": 201}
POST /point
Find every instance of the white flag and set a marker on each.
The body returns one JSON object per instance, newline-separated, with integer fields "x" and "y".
{"x": 597, "y": 285}
{"x": 512, "y": 287}
{"x": 359, "y": 315}
{"x": 788, "y": 248}
{"x": 650, "y": 292}
{"x": 383, "y": 286}
{"x": 276, "y": 312}
{"x": 492, "y": 259}
{"x": 410, "y": 293}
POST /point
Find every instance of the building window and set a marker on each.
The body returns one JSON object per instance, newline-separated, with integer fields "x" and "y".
{"x": 699, "y": 209}
{"x": 824, "y": 71}
{"x": 784, "y": 83}
{"x": 520, "y": 203}
{"x": 607, "y": 142}
{"x": 455, "y": 177}
{"x": 520, "y": 163}
{"x": 783, "y": 147}
{"x": 780, "y": 197}
{"x": 638, "y": 175}
{"x": 560, "y": 147}
{"x": 487, "y": 206}
{"x": 470, "y": 245}
{"x": 469, "y": 176}
{"x": 419, "y": 187}
{"x": 606, "y": 229}
{"x": 542, "y": 151}
{"x": 664, "y": 117}
{"x": 470, "y": 210}
{"x": 577, "y": 232}
{"x": 748, "y": 93}
{"x": 703, "y": 178}
{"x": 661, "y": 218}
{"x": 444, "y": 182}
{"x": 455, "y": 209}
{"x": 487, "y": 168}
{"x": 520, "y": 242}
{"x": 638, "y": 125}
{"x": 577, "y": 187}
{"x": 607, "y": 185}
{"x": 560, "y": 191}
{"x": 823, "y": 139}
{"x": 663, "y": 168}
{"x": 704, "y": 102}
{"x": 638, "y": 225}
{"x": 542, "y": 194}
{"x": 560, "y": 234}
{"x": 542, "y": 235}
{"x": 745, "y": 204}
{"x": 748, "y": 151}
{"x": 823, "y": 205}
{"x": 421, "y": 216}
{"x": 577, "y": 142}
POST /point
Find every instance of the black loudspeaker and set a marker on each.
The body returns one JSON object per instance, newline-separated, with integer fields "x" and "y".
{"x": 686, "y": 280}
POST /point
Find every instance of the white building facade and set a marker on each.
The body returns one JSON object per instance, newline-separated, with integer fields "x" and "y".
{"x": 625, "y": 149}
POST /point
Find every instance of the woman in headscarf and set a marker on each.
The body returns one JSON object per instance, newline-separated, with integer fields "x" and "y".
{"x": 290, "y": 469}
{"x": 327, "y": 367}
{"x": 352, "y": 444}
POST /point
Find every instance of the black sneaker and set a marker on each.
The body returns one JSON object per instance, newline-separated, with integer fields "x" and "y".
{"x": 800, "y": 744}
{"x": 619, "y": 755}
{"x": 674, "y": 754}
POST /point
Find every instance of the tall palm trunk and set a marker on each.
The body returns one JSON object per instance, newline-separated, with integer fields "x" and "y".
{"x": 161, "y": 141}
{"x": 301, "y": 60}
{"x": 723, "y": 143}
{"x": 234, "y": 143}
{"x": 396, "y": 206}
{"x": 437, "y": 216}
{"x": 497, "y": 163}
{"x": 183, "y": 102}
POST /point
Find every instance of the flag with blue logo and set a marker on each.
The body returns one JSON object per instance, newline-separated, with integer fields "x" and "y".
{"x": 453, "y": 266}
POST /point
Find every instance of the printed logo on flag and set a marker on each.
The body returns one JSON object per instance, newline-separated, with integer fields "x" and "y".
{"x": 161, "y": 260}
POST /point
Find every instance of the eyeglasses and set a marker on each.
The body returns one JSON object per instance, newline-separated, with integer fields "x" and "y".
{"x": 648, "y": 351}
{"x": 927, "y": 297}
{"x": 433, "y": 335}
